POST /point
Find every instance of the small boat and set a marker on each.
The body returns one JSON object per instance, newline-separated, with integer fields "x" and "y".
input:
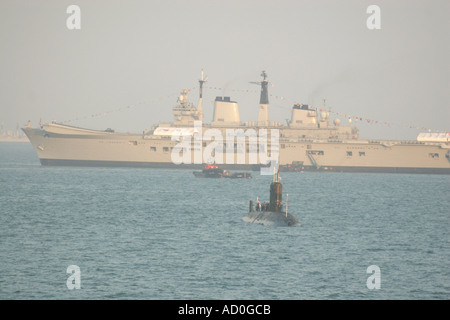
{"x": 213, "y": 171}
{"x": 296, "y": 166}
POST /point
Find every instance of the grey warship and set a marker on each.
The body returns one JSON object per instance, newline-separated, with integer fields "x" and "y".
{"x": 310, "y": 141}
{"x": 272, "y": 213}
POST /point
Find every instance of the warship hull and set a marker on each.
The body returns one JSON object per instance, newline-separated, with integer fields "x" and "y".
{"x": 71, "y": 146}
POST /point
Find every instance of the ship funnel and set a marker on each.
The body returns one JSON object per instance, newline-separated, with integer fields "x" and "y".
{"x": 303, "y": 116}
{"x": 226, "y": 112}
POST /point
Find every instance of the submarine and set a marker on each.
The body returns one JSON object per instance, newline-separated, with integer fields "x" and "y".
{"x": 271, "y": 213}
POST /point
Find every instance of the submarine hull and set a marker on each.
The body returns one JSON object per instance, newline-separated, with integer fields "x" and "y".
{"x": 270, "y": 218}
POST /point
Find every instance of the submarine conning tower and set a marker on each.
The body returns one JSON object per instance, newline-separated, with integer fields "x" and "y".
{"x": 271, "y": 213}
{"x": 276, "y": 195}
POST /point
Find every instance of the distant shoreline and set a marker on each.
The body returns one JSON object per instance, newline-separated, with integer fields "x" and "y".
{"x": 14, "y": 139}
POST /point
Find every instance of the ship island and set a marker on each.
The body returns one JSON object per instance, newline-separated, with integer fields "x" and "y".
{"x": 309, "y": 141}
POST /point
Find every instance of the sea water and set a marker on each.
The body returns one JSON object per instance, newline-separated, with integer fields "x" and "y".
{"x": 165, "y": 234}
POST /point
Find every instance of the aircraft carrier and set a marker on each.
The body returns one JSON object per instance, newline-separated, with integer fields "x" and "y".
{"x": 310, "y": 141}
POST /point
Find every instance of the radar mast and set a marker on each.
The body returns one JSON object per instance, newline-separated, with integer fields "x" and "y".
{"x": 263, "y": 114}
{"x": 201, "y": 81}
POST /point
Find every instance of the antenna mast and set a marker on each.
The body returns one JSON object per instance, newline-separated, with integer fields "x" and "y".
{"x": 263, "y": 115}
{"x": 201, "y": 81}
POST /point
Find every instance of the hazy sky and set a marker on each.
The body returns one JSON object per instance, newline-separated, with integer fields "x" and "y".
{"x": 143, "y": 53}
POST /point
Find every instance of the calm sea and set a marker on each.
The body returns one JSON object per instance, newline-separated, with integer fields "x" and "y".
{"x": 164, "y": 234}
